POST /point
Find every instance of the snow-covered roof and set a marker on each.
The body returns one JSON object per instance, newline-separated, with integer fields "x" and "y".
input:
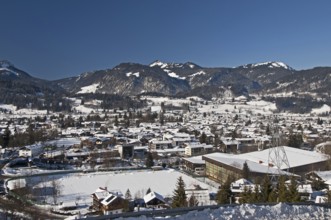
{"x": 109, "y": 199}
{"x": 195, "y": 160}
{"x": 101, "y": 193}
{"x": 235, "y": 161}
{"x": 258, "y": 161}
{"x": 198, "y": 145}
{"x": 321, "y": 147}
{"x": 324, "y": 175}
{"x": 242, "y": 181}
{"x": 152, "y": 195}
{"x": 230, "y": 142}
{"x": 295, "y": 156}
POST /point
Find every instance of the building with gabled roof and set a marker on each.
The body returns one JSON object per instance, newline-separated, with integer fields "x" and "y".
{"x": 108, "y": 202}
{"x": 154, "y": 199}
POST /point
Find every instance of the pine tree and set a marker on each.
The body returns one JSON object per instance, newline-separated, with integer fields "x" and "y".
{"x": 273, "y": 195}
{"x": 266, "y": 189}
{"x": 216, "y": 141}
{"x": 116, "y": 121}
{"x": 224, "y": 194}
{"x": 328, "y": 194}
{"x": 245, "y": 171}
{"x": 268, "y": 132}
{"x": 256, "y": 195}
{"x": 203, "y": 138}
{"x": 295, "y": 140}
{"x": 128, "y": 195}
{"x": 317, "y": 184}
{"x": 6, "y": 138}
{"x": 192, "y": 202}
{"x": 179, "y": 197}
{"x": 161, "y": 118}
{"x": 246, "y": 195}
{"x": 149, "y": 160}
{"x": 148, "y": 191}
{"x": 293, "y": 191}
{"x": 283, "y": 194}
{"x": 234, "y": 134}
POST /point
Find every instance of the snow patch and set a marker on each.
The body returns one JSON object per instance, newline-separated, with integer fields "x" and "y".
{"x": 8, "y": 107}
{"x": 166, "y": 100}
{"x": 174, "y": 75}
{"x": 89, "y": 89}
{"x": 8, "y": 71}
{"x": 282, "y": 85}
{"x": 137, "y": 74}
{"x": 159, "y": 63}
{"x": 271, "y": 65}
{"x": 197, "y": 74}
{"x": 324, "y": 109}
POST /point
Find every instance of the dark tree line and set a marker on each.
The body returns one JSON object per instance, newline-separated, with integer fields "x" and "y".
{"x": 265, "y": 192}
{"x": 110, "y": 101}
{"x": 30, "y": 136}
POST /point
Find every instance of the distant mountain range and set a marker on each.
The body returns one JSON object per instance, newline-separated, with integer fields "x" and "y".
{"x": 176, "y": 79}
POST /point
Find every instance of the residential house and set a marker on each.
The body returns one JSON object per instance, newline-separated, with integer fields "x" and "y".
{"x": 159, "y": 144}
{"x": 31, "y": 150}
{"x": 114, "y": 204}
{"x": 108, "y": 202}
{"x": 193, "y": 149}
{"x": 154, "y": 200}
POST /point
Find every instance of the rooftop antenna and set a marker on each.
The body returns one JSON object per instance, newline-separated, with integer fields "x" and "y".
{"x": 277, "y": 158}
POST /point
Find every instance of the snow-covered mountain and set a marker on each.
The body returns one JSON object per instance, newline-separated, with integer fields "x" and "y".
{"x": 9, "y": 72}
{"x": 19, "y": 88}
{"x": 187, "y": 79}
{"x": 160, "y": 77}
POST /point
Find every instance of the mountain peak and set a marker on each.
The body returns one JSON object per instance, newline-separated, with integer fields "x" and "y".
{"x": 164, "y": 65}
{"x": 269, "y": 64}
{"x": 5, "y": 64}
{"x": 158, "y": 63}
{"x": 7, "y": 69}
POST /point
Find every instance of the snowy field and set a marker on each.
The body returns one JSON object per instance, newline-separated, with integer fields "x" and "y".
{"x": 168, "y": 101}
{"x": 280, "y": 211}
{"x": 81, "y": 186}
{"x": 27, "y": 112}
{"x": 250, "y": 107}
{"x": 255, "y": 107}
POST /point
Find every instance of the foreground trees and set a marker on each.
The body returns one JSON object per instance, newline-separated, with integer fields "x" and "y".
{"x": 265, "y": 192}
{"x": 179, "y": 198}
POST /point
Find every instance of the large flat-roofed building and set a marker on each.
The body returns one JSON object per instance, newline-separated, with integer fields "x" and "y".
{"x": 193, "y": 149}
{"x": 220, "y": 165}
{"x": 195, "y": 165}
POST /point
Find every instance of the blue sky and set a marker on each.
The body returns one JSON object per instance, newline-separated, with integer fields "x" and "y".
{"x": 60, "y": 38}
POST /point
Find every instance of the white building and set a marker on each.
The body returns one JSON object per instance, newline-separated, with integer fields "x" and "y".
{"x": 31, "y": 150}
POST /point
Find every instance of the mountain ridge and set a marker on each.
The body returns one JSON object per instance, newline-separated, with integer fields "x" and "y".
{"x": 183, "y": 78}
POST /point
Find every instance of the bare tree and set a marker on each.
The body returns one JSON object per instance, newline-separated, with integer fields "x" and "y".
{"x": 56, "y": 190}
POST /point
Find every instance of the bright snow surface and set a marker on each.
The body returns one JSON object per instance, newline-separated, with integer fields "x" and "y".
{"x": 270, "y": 65}
{"x": 89, "y": 89}
{"x": 324, "y": 109}
{"x": 83, "y": 185}
{"x": 137, "y": 74}
{"x": 279, "y": 211}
